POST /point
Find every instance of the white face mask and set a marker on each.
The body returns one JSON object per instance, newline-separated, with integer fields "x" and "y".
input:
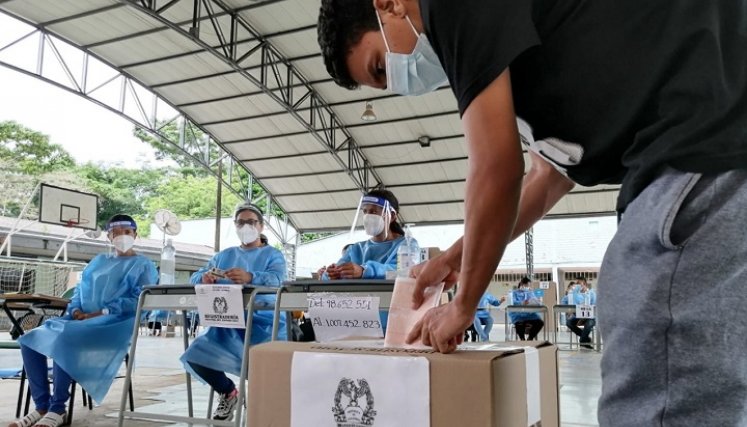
{"x": 247, "y": 234}
{"x": 373, "y": 224}
{"x": 416, "y": 73}
{"x": 123, "y": 243}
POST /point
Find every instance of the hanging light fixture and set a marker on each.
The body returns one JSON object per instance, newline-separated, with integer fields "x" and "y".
{"x": 368, "y": 114}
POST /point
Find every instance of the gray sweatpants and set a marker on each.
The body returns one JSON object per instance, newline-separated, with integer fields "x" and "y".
{"x": 672, "y": 305}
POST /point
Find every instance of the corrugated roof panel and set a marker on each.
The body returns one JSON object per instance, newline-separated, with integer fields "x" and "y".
{"x": 251, "y": 129}
{"x": 105, "y": 25}
{"x": 145, "y": 48}
{"x": 273, "y": 147}
{"x": 180, "y": 68}
{"x": 229, "y": 109}
{"x": 197, "y": 90}
{"x": 451, "y": 212}
{"x": 333, "y": 93}
{"x": 45, "y": 10}
{"x": 427, "y": 193}
{"x": 409, "y": 130}
{"x": 294, "y": 165}
{"x": 443, "y": 171}
{"x": 333, "y": 181}
{"x": 341, "y": 201}
{"x": 283, "y": 15}
{"x": 325, "y": 220}
{"x": 297, "y": 43}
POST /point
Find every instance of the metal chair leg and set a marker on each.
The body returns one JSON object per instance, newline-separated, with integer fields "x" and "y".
{"x": 20, "y": 393}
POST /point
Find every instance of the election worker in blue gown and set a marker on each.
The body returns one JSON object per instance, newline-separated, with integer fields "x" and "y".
{"x": 220, "y": 350}
{"x": 88, "y": 344}
{"x": 372, "y": 258}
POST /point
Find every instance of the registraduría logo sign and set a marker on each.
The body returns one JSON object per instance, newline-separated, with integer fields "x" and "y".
{"x": 354, "y": 404}
{"x": 220, "y": 305}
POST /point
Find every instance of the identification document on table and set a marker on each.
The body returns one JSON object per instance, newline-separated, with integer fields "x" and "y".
{"x": 220, "y": 305}
{"x": 332, "y": 390}
{"x": 339, "y": 316}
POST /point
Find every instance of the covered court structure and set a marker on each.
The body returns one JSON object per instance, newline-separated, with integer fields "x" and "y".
{"x": 240, "y": 87}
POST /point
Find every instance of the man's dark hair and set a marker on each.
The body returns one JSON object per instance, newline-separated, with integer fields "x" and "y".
{"x": 394, "y": 203}
{"x": 341, "y": 25}
{"x": 525, "y": 281}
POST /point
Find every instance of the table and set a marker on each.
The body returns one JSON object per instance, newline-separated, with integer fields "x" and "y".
{"x": 29, "y": 303}
{"x": 531, "y": 308}
{"x": 293, "y": 295}
{"x": 182, "y": 297}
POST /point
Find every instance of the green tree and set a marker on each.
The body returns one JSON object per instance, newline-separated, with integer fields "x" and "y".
{"x": 30, "y": 152}
{"x": 191, "y": 197}
{"x": 124, "y": 190}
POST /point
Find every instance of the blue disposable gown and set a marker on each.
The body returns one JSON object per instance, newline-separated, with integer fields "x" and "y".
{"x": 519, "y": 296}
{"x": 92, "y": 350}
{"x": 376, "y": 257}
{"x": 578, "y": 298}
{"x": 222, "y": 348}
{"x": 482, "y": 306}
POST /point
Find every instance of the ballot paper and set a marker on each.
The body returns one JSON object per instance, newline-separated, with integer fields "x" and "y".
{"x": 402, "y": 317}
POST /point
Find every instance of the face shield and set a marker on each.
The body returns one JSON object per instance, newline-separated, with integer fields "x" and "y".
{"x": 121, "y": 235}
{"x": 375, "y": 214}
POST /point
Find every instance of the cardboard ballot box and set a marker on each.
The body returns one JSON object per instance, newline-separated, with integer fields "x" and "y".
{"x": 358, "y": 384}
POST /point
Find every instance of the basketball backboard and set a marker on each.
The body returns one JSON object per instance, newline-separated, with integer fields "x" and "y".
{"x": 70, "y": 208}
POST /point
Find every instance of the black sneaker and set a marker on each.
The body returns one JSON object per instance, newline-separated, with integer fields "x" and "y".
{"x": 226, "y": 406}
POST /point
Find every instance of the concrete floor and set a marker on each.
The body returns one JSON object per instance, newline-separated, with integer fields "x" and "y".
{"x": 159, "y": 386}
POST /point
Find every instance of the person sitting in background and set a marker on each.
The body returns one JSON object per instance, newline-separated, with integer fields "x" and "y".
{"x": 89, "y": 343}
{"x": 483, "y": 320}
{"x": 581, "y": 294}
{"x": 526, "y": 324}
{"x": 371, "y": 259}
{"x": 220, "y": 350}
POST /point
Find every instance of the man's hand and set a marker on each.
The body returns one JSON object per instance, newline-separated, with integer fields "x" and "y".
{"x": 321, "y": 271}
{"x": 350, "y": 270}
{"x": 442, "y": 327}
{"x": 78, "y": 315}
{"x": 208, "y": 279}
{"x": 239, "y": 276}
{"x": 431, "y": 273}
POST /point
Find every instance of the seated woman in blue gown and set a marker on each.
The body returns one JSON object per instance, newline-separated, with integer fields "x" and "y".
{"x": 88, "y": 343}
{"x": 221, "y": 350}
{"x": 372, "y": 258}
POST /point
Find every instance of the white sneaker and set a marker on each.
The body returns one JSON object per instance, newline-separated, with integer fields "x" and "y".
{"x": 226, "y": 405}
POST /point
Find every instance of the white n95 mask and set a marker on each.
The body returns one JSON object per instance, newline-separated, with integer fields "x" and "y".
{"x": 247, "y": 234}
{"x": 416, "y": 73}
{"x": 123, "y": 243}
{"x": 373, "y": 224}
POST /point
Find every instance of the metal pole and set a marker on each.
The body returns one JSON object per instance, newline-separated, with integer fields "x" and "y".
{"x": 218, "y": 205}
{"x": 529, "y": 246}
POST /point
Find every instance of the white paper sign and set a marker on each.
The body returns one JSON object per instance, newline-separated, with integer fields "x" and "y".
{"x": 544, "y": 285}
{"x": 339, "y": 316}
{"x": 585, "y": 311}
{"x": 220, "y": 305}
{"x": 331, "y": 390}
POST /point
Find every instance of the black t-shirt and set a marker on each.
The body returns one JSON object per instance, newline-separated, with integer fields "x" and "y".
{"x": 614, "y": 90}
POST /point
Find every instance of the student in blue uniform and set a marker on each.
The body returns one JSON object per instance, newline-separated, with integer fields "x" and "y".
{"x": 646, "y": 94}
{"x": 220, "y": 350}
{"x": 88, "y": 343}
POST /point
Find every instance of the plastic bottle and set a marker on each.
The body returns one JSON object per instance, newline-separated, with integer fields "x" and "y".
{"x": 168, "y": 264}
{"x": 408, "y": 254}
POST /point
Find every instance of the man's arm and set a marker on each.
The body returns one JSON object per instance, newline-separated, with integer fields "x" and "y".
{"x": 543, "y": 186}
{"x": 496, "y": 168}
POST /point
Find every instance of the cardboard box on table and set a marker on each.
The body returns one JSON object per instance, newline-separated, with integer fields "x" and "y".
{"x": 470, "y": 387}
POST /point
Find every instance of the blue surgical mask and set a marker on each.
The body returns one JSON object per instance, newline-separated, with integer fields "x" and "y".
{"x": 416, "y": 73}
